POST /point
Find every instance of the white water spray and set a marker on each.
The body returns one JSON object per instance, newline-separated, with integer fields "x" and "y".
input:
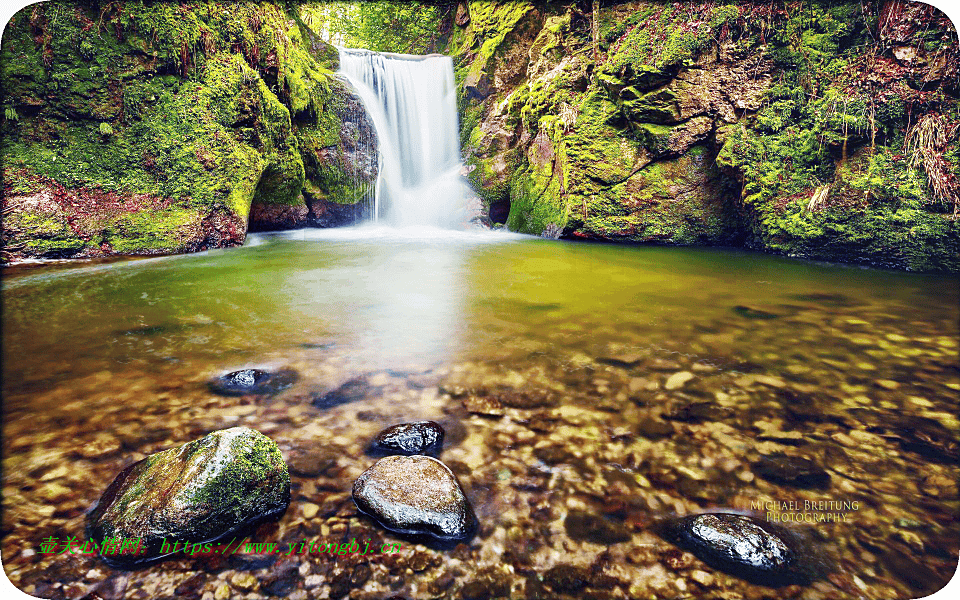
{"x": 412, "y": 102}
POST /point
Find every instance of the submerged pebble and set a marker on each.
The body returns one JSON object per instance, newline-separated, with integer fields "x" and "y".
{"x": 795, "y": 471}
{"x": 253, "y": 381}
{"x": 198, "y": 492}
{"x": 354, "y": 390}
{"x": 415, "y": 495}
{"x": 420, "y": 437}
{"x": 753, "y": 313}
{"x": 749, "y": 548}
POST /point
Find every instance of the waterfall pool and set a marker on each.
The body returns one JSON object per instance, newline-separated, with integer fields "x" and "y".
{"x": 586, "y": 390}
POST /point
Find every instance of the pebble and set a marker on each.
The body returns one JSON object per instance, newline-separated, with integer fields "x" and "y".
{"x": 677, "y": 380}
{"x": 794, "y": 471}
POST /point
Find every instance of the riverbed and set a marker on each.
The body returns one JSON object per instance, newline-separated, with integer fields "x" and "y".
{"x": 587, "y": 391}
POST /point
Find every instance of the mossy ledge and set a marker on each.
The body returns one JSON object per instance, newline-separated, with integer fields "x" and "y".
{"x": 161, "y": 127}
{"x": 827, "y": 131}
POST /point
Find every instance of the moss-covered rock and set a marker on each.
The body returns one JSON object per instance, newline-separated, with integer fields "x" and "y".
{"x": 791, "y": 132}
{"x": 165, "y": 124}
{"x": 194, "y": 494}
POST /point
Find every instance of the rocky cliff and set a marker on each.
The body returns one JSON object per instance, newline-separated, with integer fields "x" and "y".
{"x": 821, "y": 130}
{"x": 155, "y": 127}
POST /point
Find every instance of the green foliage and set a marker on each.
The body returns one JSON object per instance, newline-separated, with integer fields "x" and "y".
{"x": 382, "y": 26}
{"x": 10, "y": 114}
{"x": 105, "y": 129}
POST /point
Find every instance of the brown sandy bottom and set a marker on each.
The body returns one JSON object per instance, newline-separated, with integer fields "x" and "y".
{"x": 569, "y": 440}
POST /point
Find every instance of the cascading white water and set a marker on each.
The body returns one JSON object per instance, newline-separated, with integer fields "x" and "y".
{"x": 412, "y": 102}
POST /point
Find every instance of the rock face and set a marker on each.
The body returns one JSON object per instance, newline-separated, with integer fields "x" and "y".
{"x": 253, "y": 381}
{"x": 155, "y": 142}
{"x": 420, "y": 437}
{"x": 743, "y": 546}
{"x": 415, "y": 495}
{"x": 198, "y": 492}
{"x": 696, "y": 124}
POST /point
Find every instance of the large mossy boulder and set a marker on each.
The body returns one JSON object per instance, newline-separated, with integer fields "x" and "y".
{"x": 161, "y": 128}
{"x": 197, "y": 493}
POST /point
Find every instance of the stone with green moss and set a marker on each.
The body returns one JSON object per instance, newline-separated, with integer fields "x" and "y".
{"x": 197, "y": 493}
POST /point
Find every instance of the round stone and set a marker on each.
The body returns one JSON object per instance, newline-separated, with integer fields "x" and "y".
{"x": 420, "y": 437}
{"x": 750, "y": 548}
{"x": 253, "y": 381}
{"x": 415, "y": 495}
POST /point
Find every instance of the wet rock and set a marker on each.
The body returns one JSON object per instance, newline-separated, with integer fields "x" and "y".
{"x": 750, "y": 548}
{"x": 253, "y": 381}
{"x": 566, "y": 578}
{"x": 489, "y": 584}
{"x": 677, "y": 380}
{"x": 310, "y": 462}
{"x": 700, "y": 412}
{"x": 415, "y": 495}
{"x": 483, "y": 405}
{"x": 420, "y": 437}
{"x": 753, "y": 313}
{"x": 198, "y": 492}
{"x": 928, "y": 438}
{"x": 836, "y": 300}
{"x": 554, "y": 454}
{"x": 282, "y": 580}
{"x": 525, "y": 399}
{"x": 795, "y": 471}
{"x": 585, "y": 526}
{"x": 356, "y": 389}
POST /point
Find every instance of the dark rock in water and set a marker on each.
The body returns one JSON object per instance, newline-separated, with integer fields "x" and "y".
{"x": 421, "y": 437}
{"x": 794, "y": 471}
{"x": 750, "y": 548}
{"x": 198, "y": 492}
{"x": 354, "y": 390}
{"x": 415, "y": 495}
{"x": 837, "y": 300}
{"x": 654, "y": 429}
{"x": 525, "y": 399}
{"x": 486, "y": 406}
{"x": 310, "y": 462}
{"x": 753, "y": 313}
{"x": 928, "y": 438}
{"x": 566, "y": 578}
{"x": 700, "y": 412}
{"x": 253, "y": 381}
{"x": 588, "y": 527}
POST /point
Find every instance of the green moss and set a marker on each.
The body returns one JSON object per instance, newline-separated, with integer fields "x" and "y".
{"x": 152, "y": 231}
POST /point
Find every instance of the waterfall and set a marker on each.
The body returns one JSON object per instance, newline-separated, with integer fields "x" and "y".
{"x": 412, "y": 102}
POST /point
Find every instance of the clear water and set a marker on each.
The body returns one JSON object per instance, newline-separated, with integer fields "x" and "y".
{"x": 106, "y": 362}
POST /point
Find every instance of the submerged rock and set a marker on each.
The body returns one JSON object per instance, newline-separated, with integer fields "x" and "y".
{"x": 420, "y": 437}
{"x": 585, "y": 526}
{"x": 795, "y": 471}
{"x": 753, "y": 313}
{"x": 253, "y": 381}
{"x": 196, "y": 493}
{"x": 415, "y": 495}
{"x": 750, "y": 548}
{"x": 700, "y": 412}
{"x": 354, "y": 390}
